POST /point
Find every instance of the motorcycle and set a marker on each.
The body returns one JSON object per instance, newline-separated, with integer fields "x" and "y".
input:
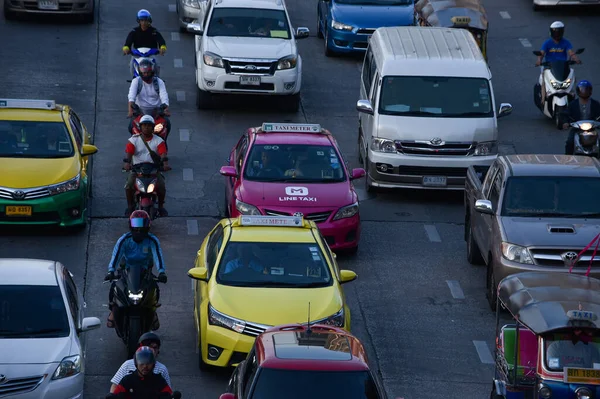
{"x": 559, "y": 83}
{"x": 141, "y": 53}
{"x": 146, "y": 197}
{"x": 160, "y": 127}
{"x": 135, "y": 297}
{"x": 124, "y": 395}
{"x": 586, "y": 139}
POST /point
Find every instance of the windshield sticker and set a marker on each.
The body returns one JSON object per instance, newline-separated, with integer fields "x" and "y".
{"x": 327, "y": 174}
{"x": 313, "y": 272}
{"x": 483, "y": 91}
{"x": 316, "y": 257}
{"x": 282, "y": 34}
{"x": 313, "y": 249}
{"x": 277, "y": 271}
{"x": 281, "y": 24}
{"x": 475, "y": 105}
{"x": 553, "y": 363}
{"x": 596, "y": 366}
{"x": 320, "y": 153}
{"x": 297, "y": 194}
{"x": 295, "y": 275}
{"x": 398, "y": 108}
{"x": 431, "y": 110}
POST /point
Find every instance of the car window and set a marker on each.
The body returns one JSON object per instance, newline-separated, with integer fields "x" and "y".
{"x": 374, "y": 90}
{"x": 494, "y": 196}
{"x": 249, "y": 22}
{"x": 25, "y": 139}
{"x": 488, "y": 179}
{"x": 329, "y": 256}
{"x": 273, "y": 264}
{"x": 212, "y": 249}
{"x": 206, "y": 15}
{"x": 294, "y": 163}
{"x": 240, "y": 153}
{"x": 77, "y": 129}
{"x": 32, "y": 311}
{"x": 250, "y": 369}
{"x": 366, "y": 71}
{"x": 71, "y": 291}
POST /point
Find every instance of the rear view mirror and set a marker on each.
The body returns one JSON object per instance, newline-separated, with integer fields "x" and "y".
{"x": 484, "y": 206}
{"x": 347, "y": 275}
{"x": 90, "y": 323}
{"x": 88, "y": 149}
{"x": 302, "y": 33}
{"x": 195, "y": 28}
{"x": 198, "y": 273}
{"x": 505, "y": 110}
{"x": 228, "y": 171}
{"x": 364, "y": 106}
{"x": 579, "y": 51}
{"x": 538, "y": 53}
{"x": 357, "y": 173}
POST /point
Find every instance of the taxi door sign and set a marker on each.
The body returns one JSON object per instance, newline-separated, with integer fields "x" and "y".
{"x": 291, "y": 127}
{"x": 581, "y": 376}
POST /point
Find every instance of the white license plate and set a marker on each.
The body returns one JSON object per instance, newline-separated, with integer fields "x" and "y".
{"x": 48, "y": 4}
{"x": 250, "y": 80}
{"x": 434, "y": 180}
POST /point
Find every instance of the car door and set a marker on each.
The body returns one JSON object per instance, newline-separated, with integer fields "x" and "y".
{"x": 478, "y": 218}
{"x": 207, "y": 258}
{"x": 323, "y": 11}
{"x": 369, "y": 86}
{"x": 489, "y": 220}
{"x": 246, "y": 375}
{"x": 237, "y": 161}
{"x": 75, "y": 302}
{"x": 80, "y": 136}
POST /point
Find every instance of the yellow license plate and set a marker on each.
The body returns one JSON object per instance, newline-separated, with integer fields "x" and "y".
{"x": 582, "y": 376}
{"x": 18, "y": 211}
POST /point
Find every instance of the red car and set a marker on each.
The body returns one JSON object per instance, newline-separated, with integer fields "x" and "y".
{"x": 284, "y": 169}
{"x": 296, "y": 362}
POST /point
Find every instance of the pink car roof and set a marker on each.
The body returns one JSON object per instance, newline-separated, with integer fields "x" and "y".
{"x": 292, "y": 138}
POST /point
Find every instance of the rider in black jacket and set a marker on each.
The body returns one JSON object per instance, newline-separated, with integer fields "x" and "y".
{"x": 144, "y": 35}
{"x": 583, "y": 108}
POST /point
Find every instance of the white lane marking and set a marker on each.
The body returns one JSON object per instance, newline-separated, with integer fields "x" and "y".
{"x": 188, "y": 174}
{"x": 505, "y": 14}
{"x": 484, "y": 352}
{"x": 184, "y": 135}
{"x": 172, "y": 7}
{"x": 192, "y": 227}
{"x": 175, "y": 36}
{"x": 432, "y": 233}
{"x": 178, "y": 62}
{"x": 455, "y": 290}
{"x": 180, "y": 95}
{"x": 525, "y": 42}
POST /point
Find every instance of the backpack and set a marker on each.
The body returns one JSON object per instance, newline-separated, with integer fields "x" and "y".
{"x": 154, "y": 83}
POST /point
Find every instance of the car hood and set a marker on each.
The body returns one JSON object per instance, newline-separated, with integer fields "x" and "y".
{"x": 371, "y": 16}
{"x": 34, "y": 172}
{"x": 273, "y": 306}
{"x": 297, "y": 195}
{"x": 34, "y": 350}
{"x": 249, "y": 47}
{"x": 536, "y": 231}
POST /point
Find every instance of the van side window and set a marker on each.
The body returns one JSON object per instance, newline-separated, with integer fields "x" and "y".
{"x": 373, "y": 95}
{"x": 366, "y": 72}
{"x": 373, "y": 69}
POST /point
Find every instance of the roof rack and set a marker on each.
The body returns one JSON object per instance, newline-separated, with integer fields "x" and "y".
{"x": 271, "y": 221}
{"x": 27, "y": 104}
{"x": 275, "y": 127}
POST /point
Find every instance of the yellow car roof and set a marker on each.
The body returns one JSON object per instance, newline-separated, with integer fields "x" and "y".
{"x": 31, "y": 110}
{"x": 272, "y": 228}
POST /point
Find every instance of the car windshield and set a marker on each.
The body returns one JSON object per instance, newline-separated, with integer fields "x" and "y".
{"x": 376, "y": 2}
{"x": 294, "y": 163}
{"x": 32, "y": 311}
{"x": 273, "y": 264}
{"x": 271, "y": 383}
{"x": 21, "y": 139}
{"x": 443, "y": 97}
{"x": 551, "y": 196}
{"x": 249, "y": 22}
{"x": 579, "y": 348}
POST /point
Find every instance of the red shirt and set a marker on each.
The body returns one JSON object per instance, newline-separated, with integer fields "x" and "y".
{"x": 136, "y": 148}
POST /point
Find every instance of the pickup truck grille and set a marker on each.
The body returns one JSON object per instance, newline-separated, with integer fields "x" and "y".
{"x": 553, "y": 257}
{"x": 428, "y": 149}
{"x": 250, "y": 66}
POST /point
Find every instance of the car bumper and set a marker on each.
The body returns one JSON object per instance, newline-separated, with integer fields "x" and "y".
{"x": 187, "y": 14}
{"x": 65, "y": 388}
{"x": 231, "y": 346}
{"x": 389, "y": 170}
{"x": 504, "y": 268}
{"x": 64, "y": 7}
{"x": 216, "y": 80}
{"x": 347, "y": 42}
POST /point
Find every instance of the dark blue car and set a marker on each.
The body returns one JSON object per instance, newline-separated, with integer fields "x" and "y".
{"x": 346, "y": 25}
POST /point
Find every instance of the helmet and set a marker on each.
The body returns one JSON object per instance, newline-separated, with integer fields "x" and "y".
{"x": 147, "y": 119}
{"x": 557, "y": 30}
{"x": 144, "y": 355}
{"x": 139, "y": 220}
{"x": 144, "y": 15}
{"x": 148, "y": 338}
{"x": 146, "y": 70}
{"x": 584, "y": 89}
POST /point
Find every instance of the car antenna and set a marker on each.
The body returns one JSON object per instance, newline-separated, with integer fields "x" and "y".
{"x": 308, "y": 330}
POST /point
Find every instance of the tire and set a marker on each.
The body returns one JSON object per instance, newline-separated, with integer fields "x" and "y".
{"x": 292, "y": 103}
{"x": 491, "y": 285}
{"x": 204, "y": 100}
{"x": 319, "y": 33}
{"x": 557, "y": 112}
{"x": 473, "y": 253}
{"x": 134, "y": 332}
{"x": 8, "y": 14}
{"x": 89, "y": 17}
{"x": 327, "y": 50}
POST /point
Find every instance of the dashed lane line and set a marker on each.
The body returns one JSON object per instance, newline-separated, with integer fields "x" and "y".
{"x": 180, "y": 95}
{"x": 504, "y": 14}
{"x": 455, "y": 290}
{"x": 175, "y": 36}
{"x": 178, "y": 63}
{"x": 184, "y": 135}
{"x": 192, "y": 227}
{"x": 172, "y": 8}
{"x": 484, "y": 352}
{"x": 188, "y": 174}
{"x": 525, "y": 42}
{"x": 432, "y": 233}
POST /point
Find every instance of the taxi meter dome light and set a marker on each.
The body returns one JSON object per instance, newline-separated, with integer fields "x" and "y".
{"x": 582, "y": 315}
{"x": 273, "y": 127}
{"x": 286, "y": 221}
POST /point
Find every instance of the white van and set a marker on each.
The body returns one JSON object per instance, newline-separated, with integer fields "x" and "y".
{"x": 427, "y": 109}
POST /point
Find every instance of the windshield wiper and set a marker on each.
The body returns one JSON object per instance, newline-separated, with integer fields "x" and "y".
{"x": 474, "y": 113}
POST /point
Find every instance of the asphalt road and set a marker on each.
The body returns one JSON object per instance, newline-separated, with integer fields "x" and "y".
{"x": 418, "y": 305}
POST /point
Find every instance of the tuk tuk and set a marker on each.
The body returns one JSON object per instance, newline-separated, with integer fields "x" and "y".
{"x": 552, "y": 347}
{"x": 465, "y": 14}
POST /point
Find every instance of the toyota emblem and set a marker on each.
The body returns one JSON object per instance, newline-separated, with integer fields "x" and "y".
{"x": 569, "y": 258}
{"x": 18, "y": 195}
{"x": 250, "y": 68}
{"x": 2, "y": 378}
{"x": 437, "y": 141}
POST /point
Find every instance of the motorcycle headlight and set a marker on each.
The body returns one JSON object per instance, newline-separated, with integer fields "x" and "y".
{"x": 340, "y": 26}
{"x": 69, "y": 366}
{"x": 69, "y": 185}
{"x": 585, "y": 126}
{"x": 336, "y": 320}
{"x": 346, "y": 212}
{"x": 246, "y": 209}
{"x": 191, "y": 3}
{"x": 135, "y": 297}
{"x": 383, "y": 145}
{"x": 288, "y": 62}
{"x": 213, "y": 60}
{"x": 486, "y": 148}
{"x": 150, "y": 188}
{"x": 217, "y": 318}
{"x": 140, "y": 185}
{"x": 516, "y": 253}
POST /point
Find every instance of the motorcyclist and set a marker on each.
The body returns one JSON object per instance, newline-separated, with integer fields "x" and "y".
{"x": 144, "y": 35}
{"x": 149, "y": 93}
{"x": 137, "y": 247}
{"x": 137, "y": 152}
{"x": 143, "y": 383}
{"x": 582, "y": 108}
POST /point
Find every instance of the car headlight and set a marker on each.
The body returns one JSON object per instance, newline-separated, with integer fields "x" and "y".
{"x": 336, "y": 320}
{"x": 486, "y": 148}
{"x": 69, "y": 366}
{"x": 288, "y": 62}
{"x": 516, "y": 253}
{"x": 544, "y": 391}
{"x": 346, "y": 212}
{"x": 217, "y": 318}
{"x": 191, "y": 3}
{"x": 246, "y": 209}
{"x": 213, "y": 60}
{"x": 69, "y": 185}
{"x": 582, "y": 393}
{"x": 140, "y": 185}
{"x": 383, "y": 145}
{"x": 135, "y": 297}
{"x": 340, "y": 26}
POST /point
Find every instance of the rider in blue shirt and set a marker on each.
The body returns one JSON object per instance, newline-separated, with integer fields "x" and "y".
{"x": 556, "y": 47}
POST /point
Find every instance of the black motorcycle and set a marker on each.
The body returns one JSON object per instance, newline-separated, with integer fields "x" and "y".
{"x": 124, "y": 395}
{"x": 146, "y": 197}
{"x": 585, "y": 141}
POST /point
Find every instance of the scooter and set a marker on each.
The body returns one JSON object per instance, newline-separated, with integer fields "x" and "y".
{"x": 146, "y": 197}
{"x": 586, "y": 139}
{"x": 125, "y": 395}
{"x": 141, "y": 53}
{"x": 559, "y": 83}
{"x": 160, "y": 127}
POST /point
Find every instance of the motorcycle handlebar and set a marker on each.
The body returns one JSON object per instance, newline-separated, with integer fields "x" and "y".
{"x": 118, "y": 277}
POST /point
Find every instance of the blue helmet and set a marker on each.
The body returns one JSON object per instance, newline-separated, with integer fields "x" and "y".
{"x": 584, "y": 84}
{"x": 584, "y": 89}
{"x": 144, "y": 15}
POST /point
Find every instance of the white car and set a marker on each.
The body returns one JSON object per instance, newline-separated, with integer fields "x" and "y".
{"x": 188, "y": 11}
{"x": 42, "y": 331}
{"x": 248, "y": 47}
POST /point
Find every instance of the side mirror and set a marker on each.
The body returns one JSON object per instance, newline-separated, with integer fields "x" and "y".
{"x": 228, "y": 171}
{"x": 195, "y": 28}
{"x": 88, "y": 149}
{"x": 538, "y": 53}
{"x": 302, "y": 33}
{"x": 505, "y": 110}
{"x": 198, "y": 273}
{"x": 357, "y": 173}
{"x": 176, "y": 395}
{"x": 347, "y": 275}
{"x": 579, "y": 51}
{"x": 364, "y": 106}
{"x": 90, "y": 323}
{"x": 334, "y": 255}
{"x": 227, "y": 396}
{"x": 484, "y": 206}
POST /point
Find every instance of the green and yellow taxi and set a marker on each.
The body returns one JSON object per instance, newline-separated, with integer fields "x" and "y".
{"x": 255, "y": 272}
{"x": 44, "y": 150}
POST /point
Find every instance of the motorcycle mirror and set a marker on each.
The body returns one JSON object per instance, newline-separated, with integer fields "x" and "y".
{"x": 538, "y": 53}
{"x": 176, "y": 395}
{"x": 579, "y": 51}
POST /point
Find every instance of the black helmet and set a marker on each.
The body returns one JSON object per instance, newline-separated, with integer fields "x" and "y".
{"x": 144, "y": 355}
{"x": 148, "y": 338}
{"x": 146, "y": 70}
{"x": 557, "y": 30}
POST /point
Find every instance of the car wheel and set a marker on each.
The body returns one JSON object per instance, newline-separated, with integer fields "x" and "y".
{"x": 492, "y": 286}
{"x": 473, "y": 253}
{"x": 557, "y": 113}
{"x": 204, "y": 100}
{"x": 328, "y": 51}
{"x": 319, "y": 32}
{"x": 89, "y": 17}
{"x": 8, "y": 14}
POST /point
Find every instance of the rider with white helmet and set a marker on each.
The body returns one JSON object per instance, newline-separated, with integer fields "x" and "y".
{"x": 556, "y": 47}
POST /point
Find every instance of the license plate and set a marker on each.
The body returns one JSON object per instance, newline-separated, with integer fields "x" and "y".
{"x": 581, "y": 376}
{"x": 434, "y": 180}
{"x": 250, "y": 80}
{"x": 18, "y": 211}
{"x": 48, "y": 4}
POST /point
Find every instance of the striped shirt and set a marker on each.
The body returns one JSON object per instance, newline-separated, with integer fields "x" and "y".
{"x": 129, "y": 367}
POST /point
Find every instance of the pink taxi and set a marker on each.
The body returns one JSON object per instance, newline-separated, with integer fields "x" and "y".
{"x": 286, "y": 169}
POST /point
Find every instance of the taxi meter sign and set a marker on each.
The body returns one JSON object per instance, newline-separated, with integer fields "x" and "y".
{"x": 582, "y": 315}
{"x": 287, "y": 221}
{"x": 291, "y": 127}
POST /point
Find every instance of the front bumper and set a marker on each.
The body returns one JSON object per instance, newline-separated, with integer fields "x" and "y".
{"x": 349, "y": 42}
{"x": 64, "y": 7}
{"x": 217, "y": 80}
{"x": 503, "y": 268}
{"x": 187, "y": 14}
{"x": 65, "y": 388}
{"x": 231, "y": 346}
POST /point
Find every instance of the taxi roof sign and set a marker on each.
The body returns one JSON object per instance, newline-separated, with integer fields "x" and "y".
{"x": 460, "y": 20}
{"x": 291, "y": 127}
{"x": 28, "y": 104}
{"x": 285, "y": 221}
{"x": 582, "y": 315}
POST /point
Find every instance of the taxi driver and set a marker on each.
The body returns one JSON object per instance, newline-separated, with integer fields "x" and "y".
{"x": 246, "y": 259}
{"x": 578, "y": 351}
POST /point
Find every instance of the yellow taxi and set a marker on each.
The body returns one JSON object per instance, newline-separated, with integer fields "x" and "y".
{"x": 44, "y": 149}
{"x": 255, "y": 272}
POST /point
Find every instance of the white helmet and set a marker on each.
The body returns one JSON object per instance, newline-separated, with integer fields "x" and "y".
{"x": 557, "y": 25}
{"x": 147, "y": 119}
{"x": 557, "y": 30}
